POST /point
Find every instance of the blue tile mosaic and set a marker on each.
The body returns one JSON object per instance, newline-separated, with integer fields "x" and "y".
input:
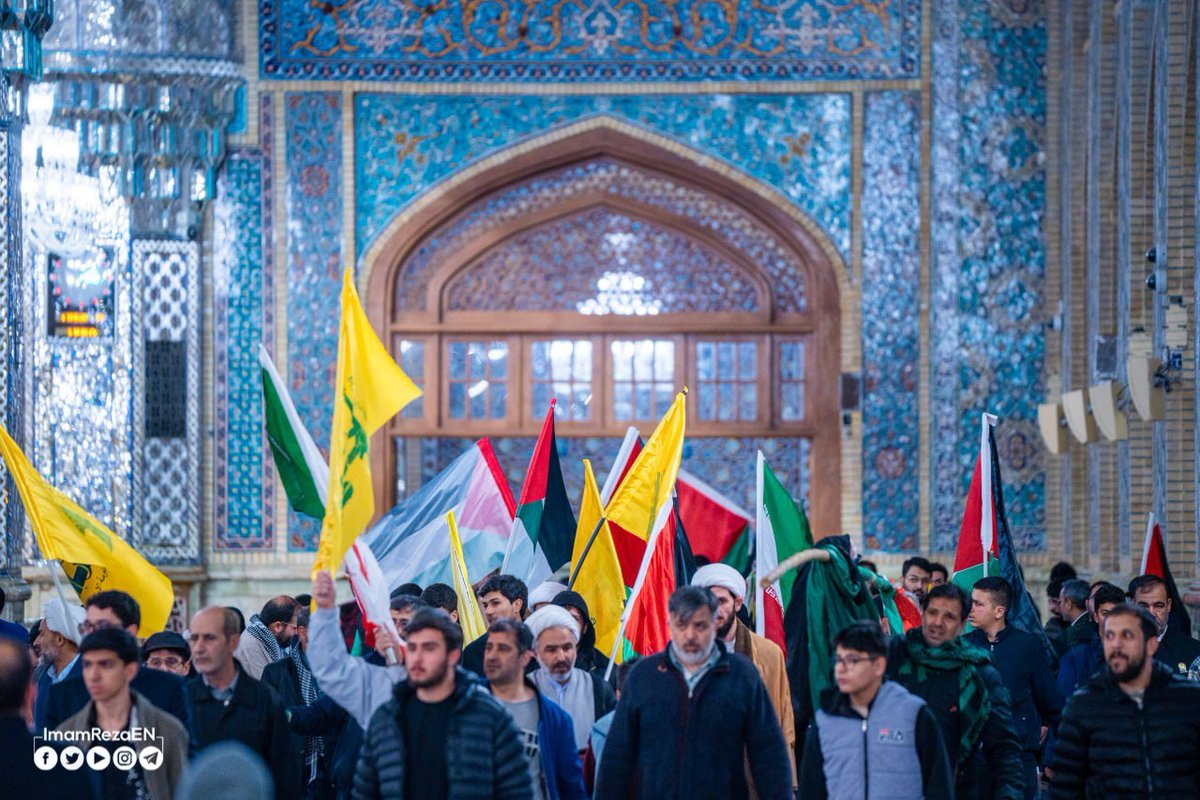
{"x": 989, "y": 256}
{"x": 891, "y": 278}
{"x": 313, "y": 123}
{"x": 592, "y": 41}
{"x": 797, "y": 144}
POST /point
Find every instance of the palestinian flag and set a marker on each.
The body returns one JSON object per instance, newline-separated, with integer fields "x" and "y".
{"x": 782, "y": 529}
{"x": 301, "y": 468}
{"x": 544, "y": 529}
{"x": 1154, "y": 562}
{"x": 985, "y": 545}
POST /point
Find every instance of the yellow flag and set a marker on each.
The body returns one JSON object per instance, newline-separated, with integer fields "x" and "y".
{"x": 647, "y": 487}
{"x": 470, "y": 618}
{"x": 598, "y": 578}
{"x": 94, "y": 558}
{"x": 368, "y": 391}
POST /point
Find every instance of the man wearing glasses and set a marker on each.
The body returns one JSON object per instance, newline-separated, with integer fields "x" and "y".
{"x": 871, "y": 737}
{"x": 266, "y": 636}
{"x": 116, "y": 609}
{"x": 167, "y": 651}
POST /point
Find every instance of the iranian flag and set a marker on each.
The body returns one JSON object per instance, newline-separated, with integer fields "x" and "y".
{"x": 978, "y": 555}
{"x": 543, "y": 530}
{"x": 301, "y": 468}
{"x": 782, "y": 529}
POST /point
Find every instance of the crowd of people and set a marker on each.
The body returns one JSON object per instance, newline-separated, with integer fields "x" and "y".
{"x": 1101, "y": 703}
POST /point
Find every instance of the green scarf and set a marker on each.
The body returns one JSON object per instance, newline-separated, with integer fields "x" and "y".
{"x": 887, "y": 598}
{"x": 834, "y": 597}
{"x": 973, "y": 702}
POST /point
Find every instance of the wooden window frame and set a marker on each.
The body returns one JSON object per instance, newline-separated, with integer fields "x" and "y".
{"x": 532, "y": 419}
{"x": 471, "y": 426}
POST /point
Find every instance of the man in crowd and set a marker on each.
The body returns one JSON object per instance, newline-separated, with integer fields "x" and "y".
{"x": 587, "y": 657}
{"x": 1072, "y": 604}
{"x": 358, "y": 687}
{"x": 871, "y": 737}
{"x": 58, "y": 641}
{"x": 1133, "y": 730}
{"x": 965, "y": 694}
{"x": 441, "y": 735}
{"x": 690, "y": 716}
{"x": 228, "y": 704}
{"x": 169, "y": 652}
{"x": 110, "y": 662}
{"x": 439, "y": 595}
{"x": 545, "y": 729}
{"x": 914, "y": 577}
{"x": 292, "y": 681}
{"x": 1078, "y": 663}
{"x": 1176, "y": 648}
{"x": 729, "y": 587}
{"x": 1021, "y": 660}
{"x": 500, "y": 597}
{"x": 266, "y": 635}
{"x": 586, "y": 697}
{"x": 22, "y": 777}
{"x": 402, "y": 609}
{"x": 116, "y": 609}
{"x": 1055, "y": 627}
{"x": 938, "y": 574}
{"x": 544, "y": 593}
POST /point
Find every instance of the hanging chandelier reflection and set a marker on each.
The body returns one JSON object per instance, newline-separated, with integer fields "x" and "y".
{"x": 23, "y": 25}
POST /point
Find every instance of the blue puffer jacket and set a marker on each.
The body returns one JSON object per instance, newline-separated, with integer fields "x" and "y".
{"x": 556, "y": 741}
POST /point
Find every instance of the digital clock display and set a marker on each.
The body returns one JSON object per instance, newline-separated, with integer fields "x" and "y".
{"x": 81, "y": 294}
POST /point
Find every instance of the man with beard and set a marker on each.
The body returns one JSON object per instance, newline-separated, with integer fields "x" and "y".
{"x": 729, "y": 587}
{"x": 1176, "y": 648}
{"x": 1133, "y": 730}
{"x": 441, "y": 735}
{"x": 587, "y": 658}
{"x": 690, "y": 715}
{"x": 545, "y": 729}
{"x": 586, "y": 697}
{"x": 965, "y": 694}
{"x": 266, "y": 635}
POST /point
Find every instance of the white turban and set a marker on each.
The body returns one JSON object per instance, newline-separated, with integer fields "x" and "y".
{"x": 64, "y": 619}
{"x": 552, "y": 616}
{"x": 722, "y": 575}
{"x": 545, "y": 592}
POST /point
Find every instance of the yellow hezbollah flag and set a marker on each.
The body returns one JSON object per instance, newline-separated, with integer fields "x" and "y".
{"x": 470, "y": 618}
{"x": 598, "y": 578}
{"x": 645, "y": 491}
{"x": 94, "y": 558}
{"x": 368, "y": 391}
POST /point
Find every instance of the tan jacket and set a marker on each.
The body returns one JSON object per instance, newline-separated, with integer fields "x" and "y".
{"x": 160, "y": 782}
{"x": 768, "y": 658}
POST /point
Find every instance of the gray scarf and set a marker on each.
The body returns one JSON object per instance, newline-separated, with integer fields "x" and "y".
{"x": 314, "y": 746}
{"x": 258, "y": 630}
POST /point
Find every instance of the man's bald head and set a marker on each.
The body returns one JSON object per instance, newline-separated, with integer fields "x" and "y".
{"x": 225, "y": 620}
{"x": 15, "y": 673}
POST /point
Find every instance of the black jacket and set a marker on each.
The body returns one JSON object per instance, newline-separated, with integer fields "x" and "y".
{"x": 997, "y": 748}
{"x": 253, "y": 716}
{"x": 343, "y": 739}
{"x": 1110, "y": 748}
{"x": 669, "y": 743}
{"x": 936, "y": 771}
{"x": 1177, "y": 651}
{"x": 165, "y": 690}
{"x": 1021, "y": 661}
{"x": 22, "y": 778}
{"x": 485, "y": 758}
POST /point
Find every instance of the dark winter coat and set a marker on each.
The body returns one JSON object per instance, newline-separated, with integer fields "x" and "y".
{"x": 1022, "y": 663}
{"x": 1078, "y": 664}
{"x": 998, "y": 746}
{"x": 671, "y": 744}
{"x": 1109, "y": 748}
{"x": 343, "y": 738}
{"x": 1177, "y": 651}
{"x": 253, "y": 716}
{"x": 484, "y": 754}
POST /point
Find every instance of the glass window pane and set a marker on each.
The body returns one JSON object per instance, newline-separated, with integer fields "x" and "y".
{"x": 412, "y": 361}
{"x": 497, "y": 356}
{"x": 499, "y": 397}
{"x": 458, "y": 360}
{"x": 705, "y": 362}
{"x": 583, "y": 361}
{"x": 664, "y": 361}
{"x": 401, "y": 466}
{"x": 539, "y": 363}
{"x": 748, "y": 409}
{"x": 726, "y": 402}
{"x": 643, "y": 363}
{"x": 622, "y": 368}
{"x": 581, "y": 409}
{"x": 664, "y": 394}
{"x": 476, "y": 361}
{"x": 725, "y": 369}
{"x": 458, "y": 401}
{"x": 707, "y": 406}
{"x": 623, "y": 402}
{"x": 747, "y": 360}
{"x": 541, "y": 400}
{"x": 478, "y": 394}
{"x": 791, "y": 408}
{"x": 643, "y": 407}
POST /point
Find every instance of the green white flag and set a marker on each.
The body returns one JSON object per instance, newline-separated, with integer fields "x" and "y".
{"x": 302, "y": 470}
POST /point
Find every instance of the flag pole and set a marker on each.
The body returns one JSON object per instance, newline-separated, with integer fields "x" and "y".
{"x": 57, "y": 582}
{"x": 1146, "y": 544}
{"x": 652, "y": 534}
{"x": 987, "y": 532}
{"x": 587, "y": 548}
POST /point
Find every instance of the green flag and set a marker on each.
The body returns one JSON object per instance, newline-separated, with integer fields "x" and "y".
{"x": 302, "y": 470}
